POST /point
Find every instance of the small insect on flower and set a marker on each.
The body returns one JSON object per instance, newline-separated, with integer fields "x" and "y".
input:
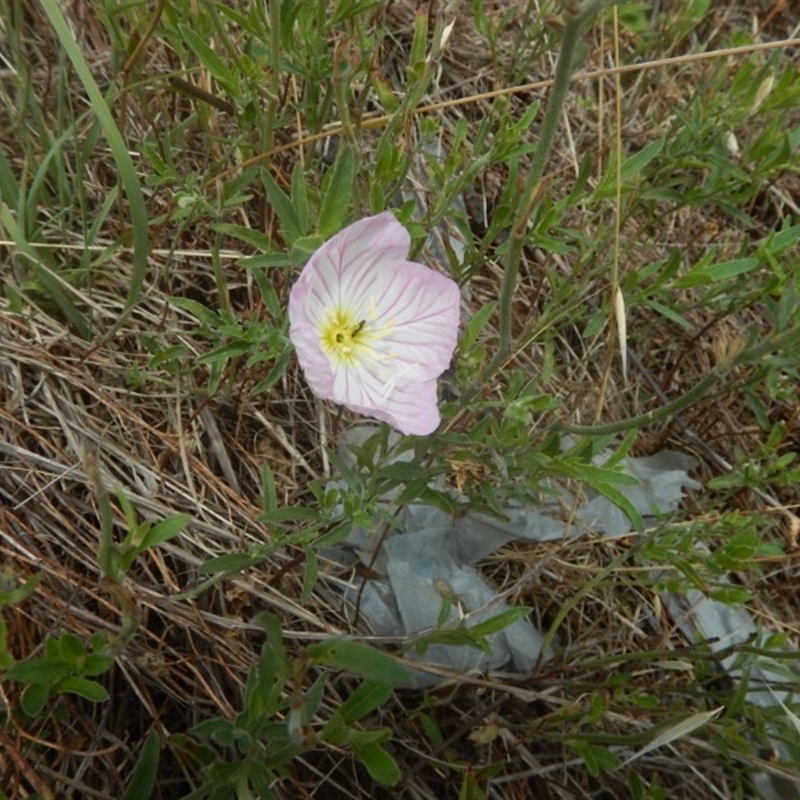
{"x": 372, "y": 330}
{"x": 358, "y": 328}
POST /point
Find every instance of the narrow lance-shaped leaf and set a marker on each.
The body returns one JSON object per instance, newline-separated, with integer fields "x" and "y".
{"x": 675, "y": 732}
{"x": 119, "y": 150}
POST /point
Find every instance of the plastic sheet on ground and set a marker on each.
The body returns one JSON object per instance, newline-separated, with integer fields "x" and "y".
{"x": 429, "y": 563}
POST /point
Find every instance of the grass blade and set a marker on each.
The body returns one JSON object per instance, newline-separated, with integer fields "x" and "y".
{"x": 122, "y": 158}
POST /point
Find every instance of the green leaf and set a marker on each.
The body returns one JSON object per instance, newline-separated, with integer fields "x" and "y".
{"x": 224, "y": 352}
{"x": 638, "y": 161}
{"x": 269, "y": 296}
{"x": 630, "y": 167}
{"x": 269, "y": 494}
{"x": 306, "y": 245}
{"x": 119, "y": 149}
{"x": 335, "y": 535}
{"x": 231, "y": 562}
{"x": 666, "y": 735}
{"x": 404, "y": 471}
{"x": 596, "y": 757}
{"x": 255, "y": 238}
{"x": 348, "y": 474}
{"x": 357, "y": 738}
{"x": 781, "y": 240}
{"x": 300, "y": 197}
{"x": 34, "y": 698}
{"x": 470, "y": 788}
{"x": 171, "y": 358}
{"x": 620, "y": 501}
{"x": 197, "y": 310}
{"x": 290, "y": 224}
{"x": 365, "y": 699}
{"x": 360, "y": 659}
{"x": 667, "y": 313}
{"x": 129, "y": 510}
{"x": 142, "y": 780}
{"x": 578, "y": 191}
{"x": 500, "y": 621}
{"x": 39, "y": 670}
{"x": 730, "y": 595}
{"x": 337, "y": 197}
{"x": 71, "y": 648}
{"x": 221, "y": 731}
{"x": 380, "y": 765}
{"x": 208, "y": 58}
{"x": 344, "y": 9}
{"x": 273, "y": 376}
{"x": 96, "y": 664}
{"x": 273, "y": 259}
{"x": 431, "y": 729}
{"x": 592, "y": 474}
{"x": 475, "y": 326}
{"x": 312, "y": 699}
{"x": 457, "y": 637}
{"x": 167, "y": 529}
{"x": 91, "y": 690}
{"x": 262, "y": 777}
{"x": 416, "y": 59}
{"x": 717, "y": 272}
{"x": 9, "y": 189}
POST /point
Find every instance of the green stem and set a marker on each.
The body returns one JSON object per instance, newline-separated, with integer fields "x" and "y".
{"x": 275, "y": 74}
{"x": 772, "y": 344}
{"x": 561, "y": 82}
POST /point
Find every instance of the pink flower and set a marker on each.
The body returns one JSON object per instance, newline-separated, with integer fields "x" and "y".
{"x": 372, "y": 330}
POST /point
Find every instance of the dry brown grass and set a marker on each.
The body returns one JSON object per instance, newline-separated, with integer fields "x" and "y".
{"x": 78, "y": 418}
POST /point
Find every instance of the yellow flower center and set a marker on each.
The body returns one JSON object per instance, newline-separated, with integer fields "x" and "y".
{"x": 342, "y": 335}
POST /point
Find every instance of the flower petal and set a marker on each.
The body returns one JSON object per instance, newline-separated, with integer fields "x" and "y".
{"x": 410, "y": 408}
{"x": 419, "y": 309}
{"x": 344, "y": 268}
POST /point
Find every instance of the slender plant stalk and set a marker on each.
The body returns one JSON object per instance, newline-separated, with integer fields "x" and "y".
{"x": 786, "y": 341}
{"x": 275, "y": 74}
{"x": 576, "y": 18}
